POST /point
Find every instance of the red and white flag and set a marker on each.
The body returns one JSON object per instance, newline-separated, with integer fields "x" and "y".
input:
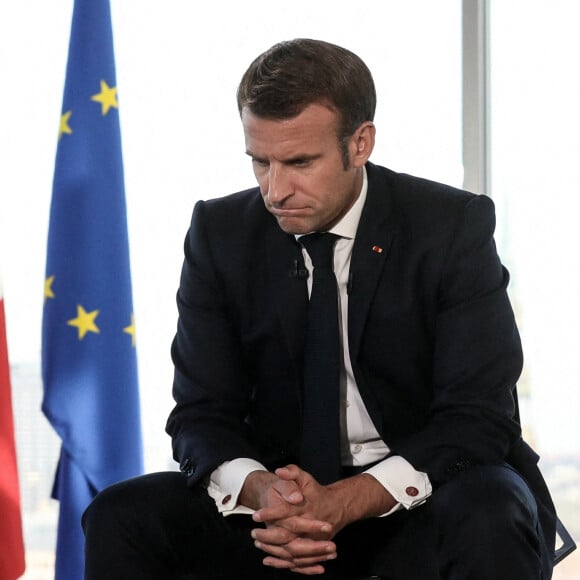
{"x": 11, "y": 543}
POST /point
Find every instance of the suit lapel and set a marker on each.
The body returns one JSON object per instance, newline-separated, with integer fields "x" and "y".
{"x": 371, "y": 249}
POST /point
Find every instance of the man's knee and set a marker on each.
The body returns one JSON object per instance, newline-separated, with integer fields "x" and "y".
{"x": 489, "y": 495}
{"x": 131, "y": 501}
{"x": 107, "y": 507}
{"x": 487, "y": 492}
{"x": 487, "y": 521}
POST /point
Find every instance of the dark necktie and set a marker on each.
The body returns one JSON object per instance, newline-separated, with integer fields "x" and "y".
{"x": 320, "y": 449}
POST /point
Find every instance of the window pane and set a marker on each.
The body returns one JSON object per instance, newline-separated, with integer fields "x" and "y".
{"x": 535, "y": 84}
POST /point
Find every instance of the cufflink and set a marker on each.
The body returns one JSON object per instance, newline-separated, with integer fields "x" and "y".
{"x": 226, "y": 499}
{"x": 412, "y": 491}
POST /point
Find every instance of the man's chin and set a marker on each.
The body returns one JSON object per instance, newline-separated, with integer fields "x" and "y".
{"x": 295, "y": 226}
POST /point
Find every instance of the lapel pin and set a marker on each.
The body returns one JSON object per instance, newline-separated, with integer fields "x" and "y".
{"x": 377, "y": 249}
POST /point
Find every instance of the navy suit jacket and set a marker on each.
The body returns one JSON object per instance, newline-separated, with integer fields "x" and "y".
{"x": 432, "y": 337}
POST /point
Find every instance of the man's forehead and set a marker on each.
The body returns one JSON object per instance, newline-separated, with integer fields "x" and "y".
{"x": 312, "y": 124}
{"x": 293, "y": 112}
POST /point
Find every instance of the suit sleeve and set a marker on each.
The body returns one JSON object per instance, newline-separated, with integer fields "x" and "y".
{"x": 210, "y": 387}
{"x": 477, "y": 357}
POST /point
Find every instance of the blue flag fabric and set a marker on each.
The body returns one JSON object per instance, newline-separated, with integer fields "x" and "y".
{"x": 89, "y": 362}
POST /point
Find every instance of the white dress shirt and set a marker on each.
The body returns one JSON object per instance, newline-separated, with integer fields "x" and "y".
{"x": 360, "y": 442}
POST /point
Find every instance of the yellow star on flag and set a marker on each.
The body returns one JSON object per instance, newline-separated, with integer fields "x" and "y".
{"x": 85, "y": 321}
{"x": 131, "y": 329}
{"x": 64, "y": 127}
{"x": 48, "y": 293}
{"x": 107, "y": 97}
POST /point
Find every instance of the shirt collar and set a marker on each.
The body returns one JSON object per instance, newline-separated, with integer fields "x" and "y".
{"x": 347, "y": 226}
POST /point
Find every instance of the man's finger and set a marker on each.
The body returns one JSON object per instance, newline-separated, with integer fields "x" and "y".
{"x": 303, "y": 526}
{"x": 298, "y": 525}
{"x": 314, "y": 569}
{"x": 300, "y": 548}
{"x": 273, "y": 535}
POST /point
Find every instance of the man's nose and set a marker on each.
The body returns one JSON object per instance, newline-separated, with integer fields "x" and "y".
{"x": 278, "y": 185}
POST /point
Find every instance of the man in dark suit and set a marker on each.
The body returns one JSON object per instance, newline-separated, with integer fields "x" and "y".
{"x": 433, "y": 479}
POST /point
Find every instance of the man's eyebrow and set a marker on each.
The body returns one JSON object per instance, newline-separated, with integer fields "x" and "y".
{"x": 300, "y": 158}
{"x": 254, "y": 156}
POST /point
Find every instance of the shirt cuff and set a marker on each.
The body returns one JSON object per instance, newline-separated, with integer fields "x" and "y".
{"x": 409, "y": 487}
{"x": 226, "y": 482}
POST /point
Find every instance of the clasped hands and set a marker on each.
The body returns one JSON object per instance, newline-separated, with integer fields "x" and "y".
{"x": 301, "y": 516}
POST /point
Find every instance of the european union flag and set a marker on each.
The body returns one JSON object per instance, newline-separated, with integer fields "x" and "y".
{"x": 89, "y": 362}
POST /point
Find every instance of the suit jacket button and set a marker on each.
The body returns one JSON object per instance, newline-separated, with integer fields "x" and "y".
{"x": 412, "y": 491}
{"x": 187, "y": 467}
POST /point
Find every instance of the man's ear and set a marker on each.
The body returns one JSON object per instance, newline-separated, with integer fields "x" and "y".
{"x": 362, "y": 143}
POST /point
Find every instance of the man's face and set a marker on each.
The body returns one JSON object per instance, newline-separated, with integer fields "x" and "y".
{"x": 299, "y": 168}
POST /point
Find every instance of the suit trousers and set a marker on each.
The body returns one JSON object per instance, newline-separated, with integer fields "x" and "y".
{"x": 482, "y": 525}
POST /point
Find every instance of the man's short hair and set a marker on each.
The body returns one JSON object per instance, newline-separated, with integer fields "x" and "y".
{"x": 284, "y": 80}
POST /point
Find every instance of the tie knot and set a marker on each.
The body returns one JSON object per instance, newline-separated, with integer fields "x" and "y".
{"x": 320, "y": 247}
